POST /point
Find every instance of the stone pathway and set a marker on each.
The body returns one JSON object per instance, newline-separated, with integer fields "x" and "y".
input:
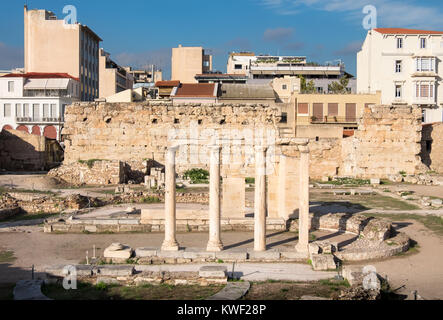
{"x": 252, "y": 271}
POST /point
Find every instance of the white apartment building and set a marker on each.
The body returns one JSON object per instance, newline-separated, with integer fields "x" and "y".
{"x": 36, "y": 102}
{"x": 405, "y": 65}
{"x": 265, "y": 67}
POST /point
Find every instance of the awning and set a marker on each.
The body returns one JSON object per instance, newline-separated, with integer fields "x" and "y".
{"x": 48, "y": 84}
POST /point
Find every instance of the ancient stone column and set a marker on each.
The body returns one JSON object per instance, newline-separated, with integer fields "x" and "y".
{"x": 303, "y": 232}
{"x": 260, "y": 199}
{"x": 215, "y": 243}
{"x": 170, "y": 243}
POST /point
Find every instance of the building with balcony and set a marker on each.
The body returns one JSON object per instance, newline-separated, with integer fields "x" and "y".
{"x": 145, "y": 76}
{"x": 52, "y": 46}
{"x": 187, "y": 62}
{"x": 266, "y": 67}
{"x": 404, "y": 64}
{"x": 36, "y": 102}
{"x": 113, "y": 79}
{"x": 330, "y": 115}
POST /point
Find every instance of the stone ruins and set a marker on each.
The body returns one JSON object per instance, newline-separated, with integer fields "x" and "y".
{"x": 116, "y": 143}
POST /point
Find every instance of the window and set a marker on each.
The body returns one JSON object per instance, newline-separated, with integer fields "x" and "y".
{"x": 238, "y": 67}
{"x": 7, "y": 110}
{"x": 398, "y": 66}
{"x": 54, "y": 110}
{"x": 284, "y": 87}
{"x": 425, "y": 64}
{"x": 10, "y": 86}
{"x": 398, "y": 91}
{"x": 46, "y": 111}
{"x": 35, "y": 111}
{"x": 399, "y": 43}
{"x": 26, "y": 110}
{"x": 18, "y": 110}
{"x": 424, "y": 90}
{"x": 422, "y": 43}
{"x": 284, "y": 117}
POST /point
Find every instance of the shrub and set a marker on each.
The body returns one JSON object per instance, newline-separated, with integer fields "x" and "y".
{"x": 197, "y": 176}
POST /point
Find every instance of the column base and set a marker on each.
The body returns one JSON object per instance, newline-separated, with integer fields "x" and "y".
{"x": 301, "y": 248}
{"x": 215, "y": 246}
{"x": 260, "y": 248}
{"x": 170, "y": 246}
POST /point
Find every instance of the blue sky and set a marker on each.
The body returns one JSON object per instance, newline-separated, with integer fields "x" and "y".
{"x": 139, "y": 32}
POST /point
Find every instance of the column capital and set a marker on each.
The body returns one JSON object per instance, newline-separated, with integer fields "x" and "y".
{"x": 172, "y": 149}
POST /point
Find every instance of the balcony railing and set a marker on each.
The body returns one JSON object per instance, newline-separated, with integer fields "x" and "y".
{"x": 38, "y": 120}
{"x": 333, "y": 119}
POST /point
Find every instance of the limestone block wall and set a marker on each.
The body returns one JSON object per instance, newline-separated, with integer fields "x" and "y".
{"x": 131, "y": 132}
{"x": 432, "y": 146}
{"x": 388, "y": 141}
{"x": 23, "y": 151}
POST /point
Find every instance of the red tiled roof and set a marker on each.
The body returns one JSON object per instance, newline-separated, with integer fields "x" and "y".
{"x": 40, "y": 75}
{"x": 405, "y": 31}
{"x": 205, "y": 90}
{"x": 171, "y": 83}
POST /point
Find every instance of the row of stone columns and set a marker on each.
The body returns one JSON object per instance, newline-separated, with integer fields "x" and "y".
{"x": 215, "y": 244}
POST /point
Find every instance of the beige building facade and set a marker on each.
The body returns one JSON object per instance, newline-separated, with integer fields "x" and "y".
{"x": 187, "y": 62}
{"x": 53, "y": 46}
{"x": 113, "y": 78}
{"x": 330, "y": 115}
{"x": 404, "y": 65}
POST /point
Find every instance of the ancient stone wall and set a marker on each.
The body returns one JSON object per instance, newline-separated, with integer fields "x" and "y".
{"x": 137, "y": 132}
{"x": 387, "y": 142}
{"x": 23, "y": 151}
{"x": 432, "y": 146}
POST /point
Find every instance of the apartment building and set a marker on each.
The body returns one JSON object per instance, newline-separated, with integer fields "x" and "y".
{"x": 35, "y": 102}
{"x": 187, "y": 62}
{"x": 52, "y": 46}
{"x": 113, "y": 78}
{"x": 143, "y": 76}
{"x": 264, "y": 67}
{"x": 405, "y": 65}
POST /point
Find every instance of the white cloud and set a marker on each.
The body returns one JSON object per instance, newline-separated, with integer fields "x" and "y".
{"x": 278, "y": 34}
{"x": 350, "y": 49}
{"x": 391, "y": 13}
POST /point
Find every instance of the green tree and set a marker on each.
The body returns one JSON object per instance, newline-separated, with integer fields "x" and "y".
{"x": 307, "y": 87}
{"x": 339, "y": 86}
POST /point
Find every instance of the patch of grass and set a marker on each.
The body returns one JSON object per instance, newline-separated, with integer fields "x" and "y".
{"x": 9, "y": 190}
{"x": 7, "y": 257}
{"x": 432, "y": 222}
{"x": 103, "y": 291}
{"x": 7, "y": 291}
{"x": 348, "y": 181}
{"x": 250, "y": 180}
{"x": 220, "y": 261}
{"x": 363, "y": 202}
{"x": 26, "y": 217}
{"x": 150, "y": 200}
{"x": 286, "y": 290}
